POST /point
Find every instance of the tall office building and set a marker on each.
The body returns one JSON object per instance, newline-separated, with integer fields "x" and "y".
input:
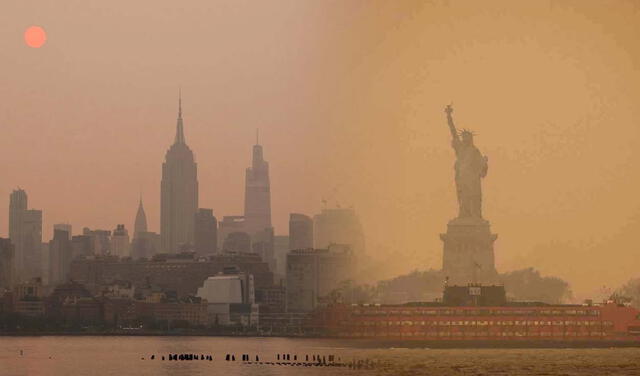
{"x": 140, "y": 225}
{"x": 25, "y": 232}
{"x": 60, "y": 256}
{"x": 262, "y": 243}
{"x": 100, "y": 240}
{"x": 145, "y": 245}
{"x": 338, "y": 226}
{"x": 312, "y": 274}
{"x": 32, "y": 244}
{"x": 64, "y": 227}
{"x": 6, "y": 264}
{"x": 257, "y": 198}
{"x": 280, "y": 250}
{"x": 44, "y": 246}
{"x": 206, "y": 233}
{"x": 120, "y": 242}
{"x": 46, "y": 252}
{"x": 300, "y": 231}
{"x": 179, "y": 193}
{"x": 82, "y": 246}
{"x": 17, "y": 207}
{"x": 237, "y": 242}
{"x": 230, "y": 224}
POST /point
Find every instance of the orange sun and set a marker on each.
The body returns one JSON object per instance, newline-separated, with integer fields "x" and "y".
{"x": 35, "y": 36}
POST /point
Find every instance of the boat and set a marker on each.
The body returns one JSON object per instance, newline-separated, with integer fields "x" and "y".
{"x": 480, "y": 315}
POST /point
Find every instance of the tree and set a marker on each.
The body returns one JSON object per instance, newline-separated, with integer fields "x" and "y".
{"x": 631, "y": 289}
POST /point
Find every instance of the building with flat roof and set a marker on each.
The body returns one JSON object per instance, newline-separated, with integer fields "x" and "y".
{"x": 230, "y": 298}
{"x": 300, "y": 231}
{"x": 338, "y": 226}
{"x": 206, "y": 233}
{"x": 313, "y": 274}
{"x": 6, "y": 264}
{"x": 120, "y": 245}
{"x": 183, "y": 273}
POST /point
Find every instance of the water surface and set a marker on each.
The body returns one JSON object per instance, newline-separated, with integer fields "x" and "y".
{"x": 107, "y": 356}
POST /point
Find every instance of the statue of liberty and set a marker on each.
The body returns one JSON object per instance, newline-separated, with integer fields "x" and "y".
{"x": 471, "y": 166}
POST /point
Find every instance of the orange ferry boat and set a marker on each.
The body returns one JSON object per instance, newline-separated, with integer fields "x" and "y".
{"x": 478, "y": 315}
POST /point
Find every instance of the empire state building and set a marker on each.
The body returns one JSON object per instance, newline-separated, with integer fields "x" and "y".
{"x": 179, "y": 193}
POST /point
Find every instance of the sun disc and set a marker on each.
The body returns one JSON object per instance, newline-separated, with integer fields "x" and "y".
{"x": 35, "y": 36}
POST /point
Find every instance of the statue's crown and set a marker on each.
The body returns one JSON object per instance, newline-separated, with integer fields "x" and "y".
{"x": 466, "y": 132}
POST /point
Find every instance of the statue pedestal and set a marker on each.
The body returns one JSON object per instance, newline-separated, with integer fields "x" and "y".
{"x": 468, "y": 252}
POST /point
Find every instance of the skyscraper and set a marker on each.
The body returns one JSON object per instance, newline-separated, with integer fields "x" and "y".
{"x": 46, "y": 252}
{"x": 32, "y": 244}
{"x": 6, "y": 264}
{"x": 17, "y": 206}
{"x": 206, "y": 233}
{"x": 25, "y": 232}
{"x": 64, "y": 227}
{"x": 300, "y": 231}
{"x": 120, "y": 242}
{"x": 179, "y": 192}
{"x": 257, "y": 198}
{"x": 141, "y": 221}
{"x": 312, "y": 274}
{"x": 230, "y": 224}
{"x": 338, "y": 226}
{"x": 100, "y": 240}
{"x": 60, "y": 256}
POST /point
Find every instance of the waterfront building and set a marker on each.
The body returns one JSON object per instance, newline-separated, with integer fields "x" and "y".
{"x": 179, "y": 193}
{"x": 29, "y": 298}
{"x": 182, "y": 273}
{"x": 230, "y": 297}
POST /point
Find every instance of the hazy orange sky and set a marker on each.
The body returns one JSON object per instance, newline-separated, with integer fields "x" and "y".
{"x": 349, "y": 99}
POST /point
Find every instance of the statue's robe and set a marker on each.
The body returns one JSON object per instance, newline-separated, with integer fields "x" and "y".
{"x": 471, "y": 167}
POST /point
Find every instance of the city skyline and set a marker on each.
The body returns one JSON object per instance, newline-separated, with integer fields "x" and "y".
{"x": 349, "y": 101}
{"x": 242, "y": 185}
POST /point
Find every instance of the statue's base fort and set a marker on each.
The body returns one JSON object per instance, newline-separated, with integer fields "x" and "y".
{"x": 468, "y": 252}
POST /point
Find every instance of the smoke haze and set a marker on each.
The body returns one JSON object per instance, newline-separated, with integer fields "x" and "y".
{"x": 349, "y": 99}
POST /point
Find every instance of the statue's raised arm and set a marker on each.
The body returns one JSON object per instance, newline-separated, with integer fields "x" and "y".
{"x": 452, "y": 128}
{"x": 471, "y": 166}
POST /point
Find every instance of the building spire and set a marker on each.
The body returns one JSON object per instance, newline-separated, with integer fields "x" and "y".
{"x": 140, "y": 224}
{"x": 180, "y": 103}
{"x": 179, "y": 129}
{"x": 257, "y": 136}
